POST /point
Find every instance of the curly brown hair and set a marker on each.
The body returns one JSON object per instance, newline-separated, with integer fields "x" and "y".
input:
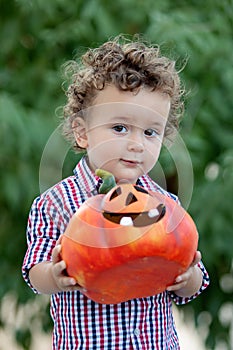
{"x": 129, "y": 65}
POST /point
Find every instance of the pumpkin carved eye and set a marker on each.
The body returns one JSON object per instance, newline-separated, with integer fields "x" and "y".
{"x": 130, "y": 199}
{"x": 115, "y": 193}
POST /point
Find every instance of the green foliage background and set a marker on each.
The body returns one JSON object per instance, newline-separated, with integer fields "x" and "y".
{"x": 36, "y": 38}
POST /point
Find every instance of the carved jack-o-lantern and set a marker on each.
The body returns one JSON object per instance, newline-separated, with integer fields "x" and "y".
{"x": 128, "y": 243}
{"x": 131, "y": 205}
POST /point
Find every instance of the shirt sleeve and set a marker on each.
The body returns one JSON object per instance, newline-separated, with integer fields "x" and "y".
{"x": 42, "y": 234}
{"x": 205, "y": 282}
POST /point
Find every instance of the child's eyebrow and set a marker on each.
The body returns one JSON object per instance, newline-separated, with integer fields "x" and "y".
{"x": 157, "y": 124}
{"x": 121, "y": 118}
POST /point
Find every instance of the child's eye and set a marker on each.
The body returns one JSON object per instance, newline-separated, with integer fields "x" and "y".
{"x": 120, "y": 128}
{"x": 150, "y": 132}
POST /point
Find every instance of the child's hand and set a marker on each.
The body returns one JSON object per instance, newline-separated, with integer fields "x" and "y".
{"x": 58, "y": 270}
{"x": 189, "y": 280}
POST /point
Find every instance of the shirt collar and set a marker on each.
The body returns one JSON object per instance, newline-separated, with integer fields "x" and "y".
{"x": 90, "y": 183}
{"x": 87, "y": 180}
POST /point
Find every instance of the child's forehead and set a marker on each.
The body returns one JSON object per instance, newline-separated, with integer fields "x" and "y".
{"x": 113, "y": 101}
{"x": 124, "y": 112}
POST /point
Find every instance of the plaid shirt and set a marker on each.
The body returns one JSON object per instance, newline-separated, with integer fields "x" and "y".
{"x": 80, "y": 323}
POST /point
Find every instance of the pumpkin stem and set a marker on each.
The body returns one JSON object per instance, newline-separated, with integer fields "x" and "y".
{"x": 108, "y": 181}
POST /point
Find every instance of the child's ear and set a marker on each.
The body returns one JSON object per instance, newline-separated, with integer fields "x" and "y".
{"x": 79, "y": 127}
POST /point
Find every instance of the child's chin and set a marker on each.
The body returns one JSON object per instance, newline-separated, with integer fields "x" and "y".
{"x": 127, "y": 177}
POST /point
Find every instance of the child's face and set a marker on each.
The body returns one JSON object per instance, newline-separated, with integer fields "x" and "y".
{"x": 123, "y": 132}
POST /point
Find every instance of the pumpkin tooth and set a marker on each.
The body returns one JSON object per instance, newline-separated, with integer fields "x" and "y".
{"x": 153, "y": 213}
{"x": 126, "y": 221}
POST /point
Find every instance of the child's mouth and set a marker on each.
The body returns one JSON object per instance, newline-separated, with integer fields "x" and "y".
{"x": 129, "y": 162}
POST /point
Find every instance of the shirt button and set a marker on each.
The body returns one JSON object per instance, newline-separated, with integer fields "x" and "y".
{"x": 137, "y": 332}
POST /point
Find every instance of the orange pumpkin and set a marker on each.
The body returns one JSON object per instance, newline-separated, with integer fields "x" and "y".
{"x": 127, "y": 244}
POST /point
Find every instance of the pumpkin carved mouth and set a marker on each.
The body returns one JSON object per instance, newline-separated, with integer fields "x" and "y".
{"x": 145, "y": 218}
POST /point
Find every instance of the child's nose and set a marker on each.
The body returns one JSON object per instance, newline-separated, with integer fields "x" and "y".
{"x": 135, "y": 144}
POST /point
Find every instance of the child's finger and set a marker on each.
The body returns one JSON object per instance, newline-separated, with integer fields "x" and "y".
{"x": 67, "y": 282}
{"x": 56, "y": 254}
{"x": 58, "y": 268}
{"x": 180, "y": 281}
{"x": 197, "y": 258}
{"x": 59, "y": 240}
{"x": 176, "y": 286}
